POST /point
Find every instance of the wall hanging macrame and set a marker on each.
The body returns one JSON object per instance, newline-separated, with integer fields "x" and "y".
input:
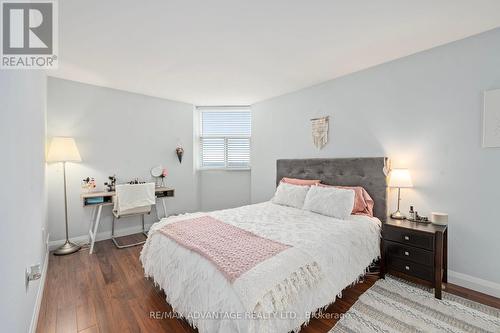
{"x": 320, "y": 131}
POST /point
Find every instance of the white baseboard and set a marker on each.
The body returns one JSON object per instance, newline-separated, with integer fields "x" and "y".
{"x": 103, "y": 235}
{"x": 474, "y": 283}
{"x": 39, "y": 294}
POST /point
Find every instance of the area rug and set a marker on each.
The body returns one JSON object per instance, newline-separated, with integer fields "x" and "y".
{"x": 393, "y": 305}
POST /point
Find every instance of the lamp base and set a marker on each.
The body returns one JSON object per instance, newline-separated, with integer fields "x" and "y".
{"x": 398, "y": 216}
{"x": 67, "y": 248}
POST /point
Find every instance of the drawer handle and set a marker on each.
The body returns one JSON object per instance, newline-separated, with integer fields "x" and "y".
{"x": 407, "y": 238}
{"x": 407, "y": 253}
{"x": 407, "y": 268}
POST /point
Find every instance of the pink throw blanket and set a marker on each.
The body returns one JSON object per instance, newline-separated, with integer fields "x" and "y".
{"x": 232, "y": 250}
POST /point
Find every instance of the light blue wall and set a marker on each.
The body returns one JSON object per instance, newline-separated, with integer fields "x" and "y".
{"x": 23, "y": 223}
{"x": 221, "y": 189}
{"x": 119, "y": 133}
{"x": 425, "y": 112}
{"x": 126, "y": 134}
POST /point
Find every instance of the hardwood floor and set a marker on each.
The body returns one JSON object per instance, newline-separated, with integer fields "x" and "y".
{"x": 107, "y": 292}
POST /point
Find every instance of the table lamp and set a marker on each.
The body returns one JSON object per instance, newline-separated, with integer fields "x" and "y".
{"x": 399, "y": 178}
{"x": 63, "y": 149}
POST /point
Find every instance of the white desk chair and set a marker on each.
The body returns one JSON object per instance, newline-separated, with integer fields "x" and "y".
{"x": 132, "y": 200}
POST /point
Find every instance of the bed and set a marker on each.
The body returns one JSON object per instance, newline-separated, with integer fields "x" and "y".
{"x": 323, "y": 255}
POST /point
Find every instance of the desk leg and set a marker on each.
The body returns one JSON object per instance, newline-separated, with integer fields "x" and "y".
{"x": 96, "y": 226}
{"x": 156, "y": 211}
{"x": 92, "y": 214}
{"x": 164, "y": 207}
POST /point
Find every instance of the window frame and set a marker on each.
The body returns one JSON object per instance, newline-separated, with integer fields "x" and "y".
{"x": 200, "y": 110}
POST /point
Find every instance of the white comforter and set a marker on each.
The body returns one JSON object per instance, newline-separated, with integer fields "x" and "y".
{"x": 343, "y": 249}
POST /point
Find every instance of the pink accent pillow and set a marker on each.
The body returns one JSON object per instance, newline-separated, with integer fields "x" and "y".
{"x": 363, "y": 203}
{"x": 303, "y": 182}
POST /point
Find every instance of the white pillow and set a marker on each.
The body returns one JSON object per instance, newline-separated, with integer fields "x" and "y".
{"x": 330, "y": 201}
{"x": 290, "y": 195}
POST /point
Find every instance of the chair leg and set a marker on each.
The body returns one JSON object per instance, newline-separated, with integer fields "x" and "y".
{"x": 113, "y": 238}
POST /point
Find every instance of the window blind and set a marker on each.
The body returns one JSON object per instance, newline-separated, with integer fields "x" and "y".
{"x": 225, "y": 138}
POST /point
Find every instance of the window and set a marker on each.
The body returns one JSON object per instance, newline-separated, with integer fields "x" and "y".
{"x": 225, "y": 137}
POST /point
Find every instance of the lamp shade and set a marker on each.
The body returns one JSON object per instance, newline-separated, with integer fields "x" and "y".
{"x": 63, "y": 149}
{"x": 400, "y": 178}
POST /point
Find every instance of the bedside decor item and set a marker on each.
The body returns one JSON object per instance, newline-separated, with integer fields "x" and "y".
{"x": 418, "y": 218}
{"x": 412, "y": 213}
{"x": 439, "y": 218}
{"x": 63, "y": 149}
{"x": 399, "y": 178}
{"x": 415, "y": 217}
{"x": 180, "y": 152}
{"x": 491, "y": 119}
{"x": 110, "y": 185}
{"x": 320, "y": 131}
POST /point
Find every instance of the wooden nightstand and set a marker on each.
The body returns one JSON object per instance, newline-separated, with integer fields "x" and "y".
{"x": 416, "y": 251}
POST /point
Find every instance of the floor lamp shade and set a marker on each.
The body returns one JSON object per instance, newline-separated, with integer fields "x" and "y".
{"x": 63, "y": 149}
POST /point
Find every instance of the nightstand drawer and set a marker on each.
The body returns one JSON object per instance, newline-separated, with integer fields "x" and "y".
{"x": 410, "y": 268}
{"x": 405, "y": 252}
{"x": 405, "y": 236}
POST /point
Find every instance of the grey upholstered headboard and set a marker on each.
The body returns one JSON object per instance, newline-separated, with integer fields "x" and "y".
{"x": 367, "y": 172}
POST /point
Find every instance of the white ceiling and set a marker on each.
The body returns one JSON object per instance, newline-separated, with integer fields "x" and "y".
{"x": 235, "y": 52}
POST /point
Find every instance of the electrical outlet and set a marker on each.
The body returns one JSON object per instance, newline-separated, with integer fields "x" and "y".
{"x": 33, "y": 272}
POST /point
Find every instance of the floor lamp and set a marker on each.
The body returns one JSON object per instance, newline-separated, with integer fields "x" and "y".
{"x": 63, "y": 149}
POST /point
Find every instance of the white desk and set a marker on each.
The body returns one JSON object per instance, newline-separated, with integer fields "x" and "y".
{"x": 97, "y": 200}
